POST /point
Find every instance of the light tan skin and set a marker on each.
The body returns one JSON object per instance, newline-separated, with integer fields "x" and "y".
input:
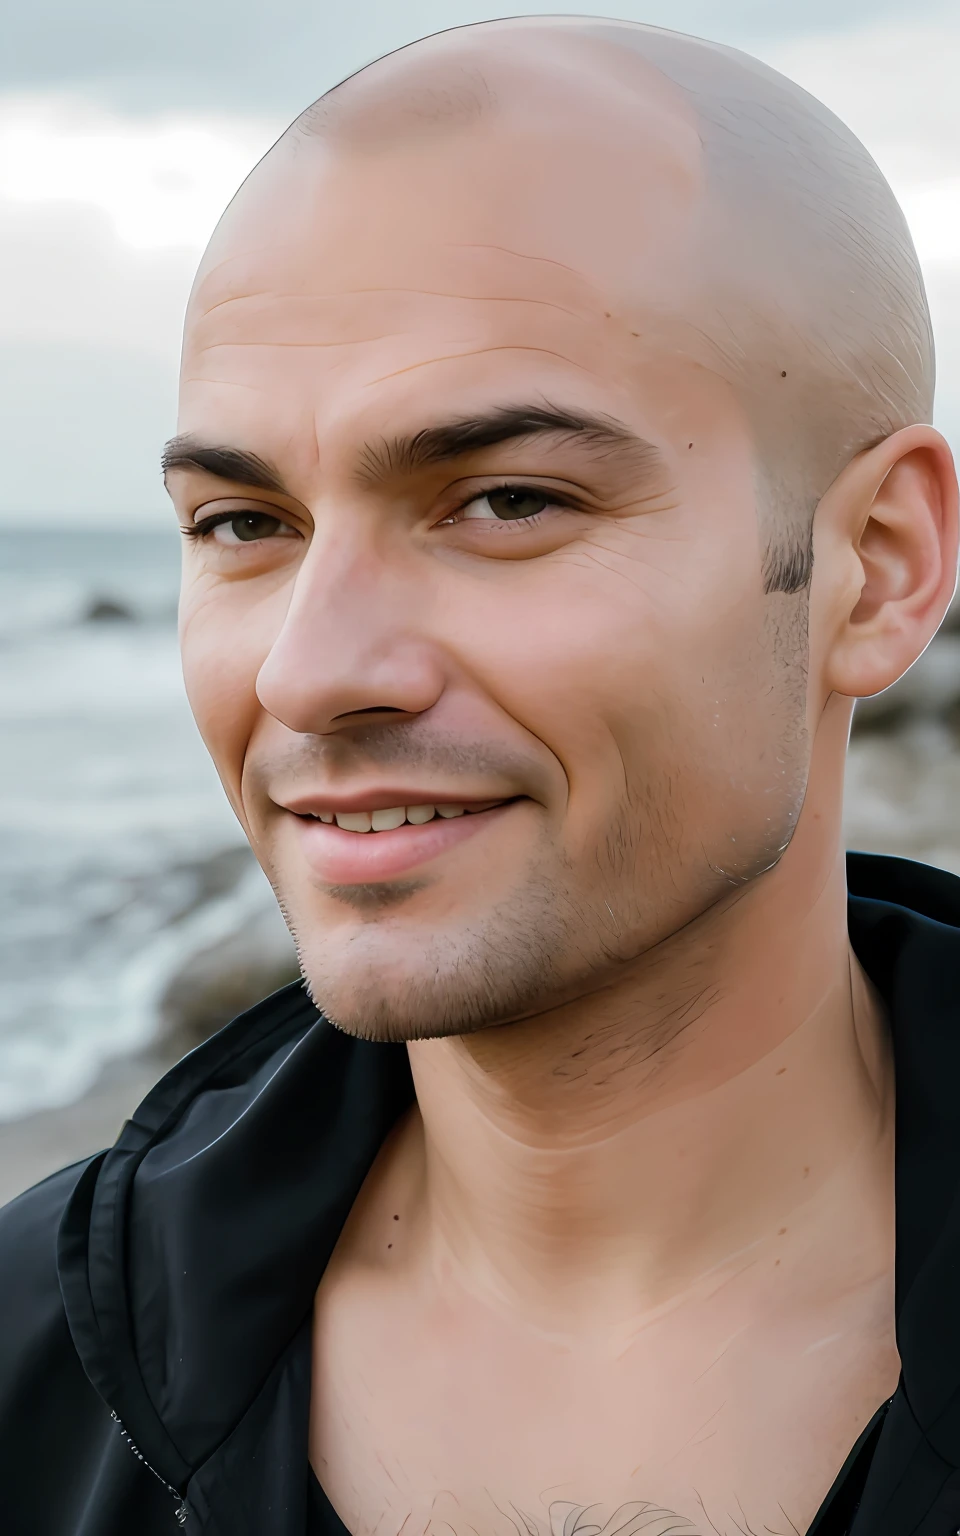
{"x": 634, "y": 1242}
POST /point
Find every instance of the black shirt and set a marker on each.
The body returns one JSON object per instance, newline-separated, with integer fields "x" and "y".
{"x": 156, "y": 1300}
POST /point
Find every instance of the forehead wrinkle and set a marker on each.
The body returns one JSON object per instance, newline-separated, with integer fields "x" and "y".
{"x": 199, "y": 344}
{"x": 477, "y": 245}
{"x": 220, "y": 274}
{"x": 316, "y": 346}
{"x": 209, "y": 276}
{"x": 454, "y": 357}
{"x": 391, "y": 288}
{"x": 187, "y": 378}
{"x": 305, "y": 320}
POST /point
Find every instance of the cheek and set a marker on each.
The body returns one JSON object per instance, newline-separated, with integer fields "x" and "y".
{"x": 223, "y": 645}
{"x": 574, "y": 648}
{"x": 649, "y": 694}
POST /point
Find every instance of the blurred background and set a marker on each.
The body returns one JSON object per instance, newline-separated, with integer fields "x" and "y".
{"x": 133, "y": 919}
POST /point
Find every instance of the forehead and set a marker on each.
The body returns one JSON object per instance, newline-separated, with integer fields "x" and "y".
{"x": 528, "y": 252}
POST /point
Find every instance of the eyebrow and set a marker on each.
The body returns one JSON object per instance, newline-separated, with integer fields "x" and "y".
{"x": 507, "y": 423}
{"x": 438, "y": 444}
{"x": 187, "y": 452}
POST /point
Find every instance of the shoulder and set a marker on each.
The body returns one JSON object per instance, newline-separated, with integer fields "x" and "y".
{"x": 41, "y": 1378}
{"x": 61, "y": 1454}
{"x": 35, "y": 1329}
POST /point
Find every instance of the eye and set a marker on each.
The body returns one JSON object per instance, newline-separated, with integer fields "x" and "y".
{"x": 512, "y": 502}
{"x": 506, "y": 504}
{"x": 233, "y": 528}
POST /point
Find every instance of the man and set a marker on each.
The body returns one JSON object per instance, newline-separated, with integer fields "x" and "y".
{"x": 512, "y": 380}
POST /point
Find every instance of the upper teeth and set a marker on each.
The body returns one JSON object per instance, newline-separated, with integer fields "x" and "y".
{"x": 385, "y": 821}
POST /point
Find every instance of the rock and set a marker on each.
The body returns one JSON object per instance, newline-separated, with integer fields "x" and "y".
{"x": 217, "y": 982}
{"x": 107, "y": 610}
{"x": 902, "y": 794}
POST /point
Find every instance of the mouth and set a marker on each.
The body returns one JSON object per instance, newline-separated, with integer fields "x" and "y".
{"x": 360, "y": 845}
{"x": 392, "y": 817}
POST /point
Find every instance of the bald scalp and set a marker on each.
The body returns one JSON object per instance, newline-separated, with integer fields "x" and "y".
{"x": 813, "y": 307}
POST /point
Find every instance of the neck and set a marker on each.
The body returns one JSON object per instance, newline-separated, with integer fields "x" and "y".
{"x": 646, "y": 1141}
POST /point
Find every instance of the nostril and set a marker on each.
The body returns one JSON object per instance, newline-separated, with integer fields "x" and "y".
{"x": 375, "y": 709}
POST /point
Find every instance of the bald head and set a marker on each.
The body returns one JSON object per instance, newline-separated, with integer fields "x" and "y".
{"x": 805, "y": 291}
{"x": 511, "y": 380}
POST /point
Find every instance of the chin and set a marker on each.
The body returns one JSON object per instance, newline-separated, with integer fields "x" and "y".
{"x": 412, "y": 980}
{"x": 387, "y": 997}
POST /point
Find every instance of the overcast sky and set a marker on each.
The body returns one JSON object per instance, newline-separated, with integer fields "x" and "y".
{"x": 126, "y": 125}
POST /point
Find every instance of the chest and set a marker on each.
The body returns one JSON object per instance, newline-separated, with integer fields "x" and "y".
{"x": 703, "y": 1423}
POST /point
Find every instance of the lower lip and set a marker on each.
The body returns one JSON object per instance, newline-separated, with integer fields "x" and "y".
{"x": 356, "y": 858}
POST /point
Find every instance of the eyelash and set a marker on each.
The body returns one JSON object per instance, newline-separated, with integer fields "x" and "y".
{"x": 203, "y": 529}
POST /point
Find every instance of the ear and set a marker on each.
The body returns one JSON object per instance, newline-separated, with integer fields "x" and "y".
{"x": 888, "y": 550}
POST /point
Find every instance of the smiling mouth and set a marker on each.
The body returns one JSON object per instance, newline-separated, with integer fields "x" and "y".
{"x": 390, "y": 819}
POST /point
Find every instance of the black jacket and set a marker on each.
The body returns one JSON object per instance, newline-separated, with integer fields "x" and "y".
{"x": 155, "y": 1300}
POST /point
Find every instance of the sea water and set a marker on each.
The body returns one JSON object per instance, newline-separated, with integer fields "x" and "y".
{"x": 111, "y": 814}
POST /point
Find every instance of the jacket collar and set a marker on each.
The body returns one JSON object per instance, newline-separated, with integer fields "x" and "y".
{"x": 191, "y": 1250}
{"x": 905, "y": 931}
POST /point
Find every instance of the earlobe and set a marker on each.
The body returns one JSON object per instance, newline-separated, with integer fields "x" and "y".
{"x": 897, "y": 517}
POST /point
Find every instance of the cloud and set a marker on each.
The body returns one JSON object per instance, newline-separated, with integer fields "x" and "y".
{"x": 280, "y": 54}
{"x": 894, "y": 83}
{"x": 160, "y": 182}
{"x": 81, "y": 425}
{"x": 102, "y": 223}
{"x": 65, "y": 275}
{"x": 943, "y": 291}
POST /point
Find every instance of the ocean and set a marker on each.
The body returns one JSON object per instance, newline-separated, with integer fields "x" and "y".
{"x": 115, "y": 829}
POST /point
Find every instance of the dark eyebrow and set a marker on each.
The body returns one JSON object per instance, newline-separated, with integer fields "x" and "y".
{"x": 187, "y": 452}
{"x": 431, "y": 445}
{"x": 504, "y": 424}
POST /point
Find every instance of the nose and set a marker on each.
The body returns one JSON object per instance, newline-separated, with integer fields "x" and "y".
{"x": 352, "y": 642}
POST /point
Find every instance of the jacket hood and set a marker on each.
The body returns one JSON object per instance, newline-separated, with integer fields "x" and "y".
{"x": 191, "y": 1250}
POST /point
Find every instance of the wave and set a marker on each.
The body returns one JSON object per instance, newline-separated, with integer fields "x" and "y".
{"x": 236, "y": 935}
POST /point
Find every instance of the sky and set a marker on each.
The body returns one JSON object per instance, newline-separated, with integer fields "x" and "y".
{"x": 126, "y": 126}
